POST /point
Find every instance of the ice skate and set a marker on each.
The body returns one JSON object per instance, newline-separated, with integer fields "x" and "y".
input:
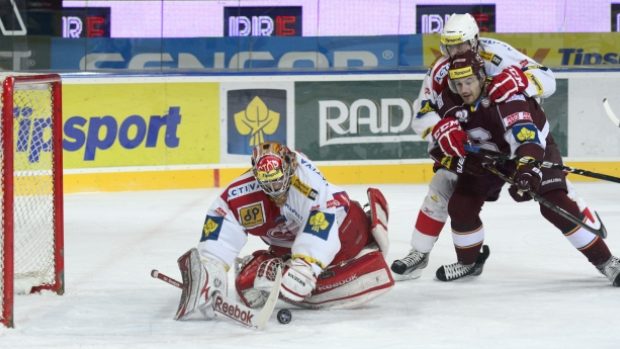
{"x": 457, "y": 270}
{"x": 410, "y": 266}
{"x": 611, "y": 269}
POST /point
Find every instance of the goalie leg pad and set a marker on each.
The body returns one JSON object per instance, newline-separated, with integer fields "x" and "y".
{"x": 379, "y": 213}
{"x": 354, "y": 233}
{"x": 200, "y": 281}
{"x": 352, "y": 283}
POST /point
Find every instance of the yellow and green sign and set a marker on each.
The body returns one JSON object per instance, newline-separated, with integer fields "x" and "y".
{"x": 140, "y": 124}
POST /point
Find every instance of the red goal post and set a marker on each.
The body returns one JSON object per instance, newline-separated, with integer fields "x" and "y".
{"x": 31, "y": 234}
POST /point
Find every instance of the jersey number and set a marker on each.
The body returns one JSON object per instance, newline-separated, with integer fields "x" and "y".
{"x": 481, "y": 137}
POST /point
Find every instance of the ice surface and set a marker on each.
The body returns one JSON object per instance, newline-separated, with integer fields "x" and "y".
{"x": 536, "y": 291}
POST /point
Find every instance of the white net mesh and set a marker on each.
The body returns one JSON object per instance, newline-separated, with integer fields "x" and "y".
{"x": 33, "y": 187}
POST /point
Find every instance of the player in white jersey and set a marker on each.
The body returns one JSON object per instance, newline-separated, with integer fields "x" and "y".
{"x": 310, "y": 227}
{"x": 510, "y": 72}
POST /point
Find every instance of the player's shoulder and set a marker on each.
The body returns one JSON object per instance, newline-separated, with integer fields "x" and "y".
{"x": 243, "y": 185}
{"x": 307, "y": 180}
{"x": 515, "y": 103}
{"x": 499, "y": 55}
{"x": 495, "y": 45}
{"x": 439, "y": 70}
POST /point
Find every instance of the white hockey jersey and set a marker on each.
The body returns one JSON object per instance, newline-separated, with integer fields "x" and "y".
{"x": 497, "y": 56}
{"x": 308, "y": 222}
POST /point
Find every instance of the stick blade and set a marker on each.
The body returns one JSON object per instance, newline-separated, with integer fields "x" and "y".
{"x": 610, "y": 113}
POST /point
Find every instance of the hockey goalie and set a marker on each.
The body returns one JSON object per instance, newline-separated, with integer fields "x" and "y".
{"x": 322, "y": 248}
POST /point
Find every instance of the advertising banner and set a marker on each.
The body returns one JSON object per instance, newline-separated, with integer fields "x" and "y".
{"x": 355, "y": 120}
{"x": 263, "y": 21}
{"x": 134, "y": 124}
{"x": 253, "y": 113}
{"x": 615, "y": 17}
{"x": 371, "y": 120}
{"x": 552, "y": 50}
{"x": 236, "y": 53}
{"x": 24, "y": 53}
{"x": 431, "y": 18}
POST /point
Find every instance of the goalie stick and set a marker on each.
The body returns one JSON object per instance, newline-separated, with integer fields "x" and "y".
{"x": 546, "y": 164}
{"x": 610, "y": 113}
{"x": 602, "y": 232}
{"x": 238, "y": 312}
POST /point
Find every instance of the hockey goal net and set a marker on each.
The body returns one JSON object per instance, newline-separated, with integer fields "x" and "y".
{"x": 31, "y": 235}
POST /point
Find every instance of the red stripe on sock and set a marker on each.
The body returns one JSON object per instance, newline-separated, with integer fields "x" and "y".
{"x": 428, "y": 226}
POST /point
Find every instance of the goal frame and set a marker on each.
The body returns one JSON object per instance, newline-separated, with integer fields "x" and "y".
{"x": 9, "y": 84}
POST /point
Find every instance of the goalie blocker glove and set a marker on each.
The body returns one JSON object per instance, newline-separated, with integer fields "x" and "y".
{"x": 298, "y": 280}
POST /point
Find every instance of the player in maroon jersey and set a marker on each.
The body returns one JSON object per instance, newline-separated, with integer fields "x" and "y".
{"x": 517, "y": 127}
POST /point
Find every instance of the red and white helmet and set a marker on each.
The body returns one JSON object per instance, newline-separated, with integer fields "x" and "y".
{"x": 459, "y": 29}
{"x": 273, "y": 165}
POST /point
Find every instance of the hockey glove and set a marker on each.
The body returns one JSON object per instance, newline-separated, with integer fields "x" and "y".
{"x": 471, "y": 164}
{"x": 298, "y": 280}
{"x": 518, "y": 195}
{"x": 527, "y": 177}
{"x": 450, "y": 136}
{"x": 508, "y": 82}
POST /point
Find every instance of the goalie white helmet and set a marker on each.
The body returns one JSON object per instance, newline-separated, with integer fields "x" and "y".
{"x": 459, "y": 29}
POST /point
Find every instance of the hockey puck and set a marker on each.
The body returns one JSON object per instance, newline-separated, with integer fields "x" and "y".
{"x": 284, "y": 316}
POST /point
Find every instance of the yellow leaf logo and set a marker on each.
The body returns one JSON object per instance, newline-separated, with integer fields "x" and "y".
{"x": 209, "y": 227}
{"x": 526, "y": 135}
{"x": 319, "y": 222}
{"x": 256, "y": 120}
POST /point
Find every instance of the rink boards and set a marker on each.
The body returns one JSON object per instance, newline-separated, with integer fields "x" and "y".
{"x": 196, "y": 131}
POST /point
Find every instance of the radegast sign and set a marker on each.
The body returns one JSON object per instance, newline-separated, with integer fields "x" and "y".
{"x": 353, "y": 120}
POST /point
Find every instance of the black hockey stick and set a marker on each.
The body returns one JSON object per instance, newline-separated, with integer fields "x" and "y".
{"x": 610, "y": 113}
{"x": 546, "y": 164}
{"x": 602, "y": 232}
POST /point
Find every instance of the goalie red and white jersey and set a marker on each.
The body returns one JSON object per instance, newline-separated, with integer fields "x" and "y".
{"x": 497, "y": 56}
{"x": 307, "y": 222}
